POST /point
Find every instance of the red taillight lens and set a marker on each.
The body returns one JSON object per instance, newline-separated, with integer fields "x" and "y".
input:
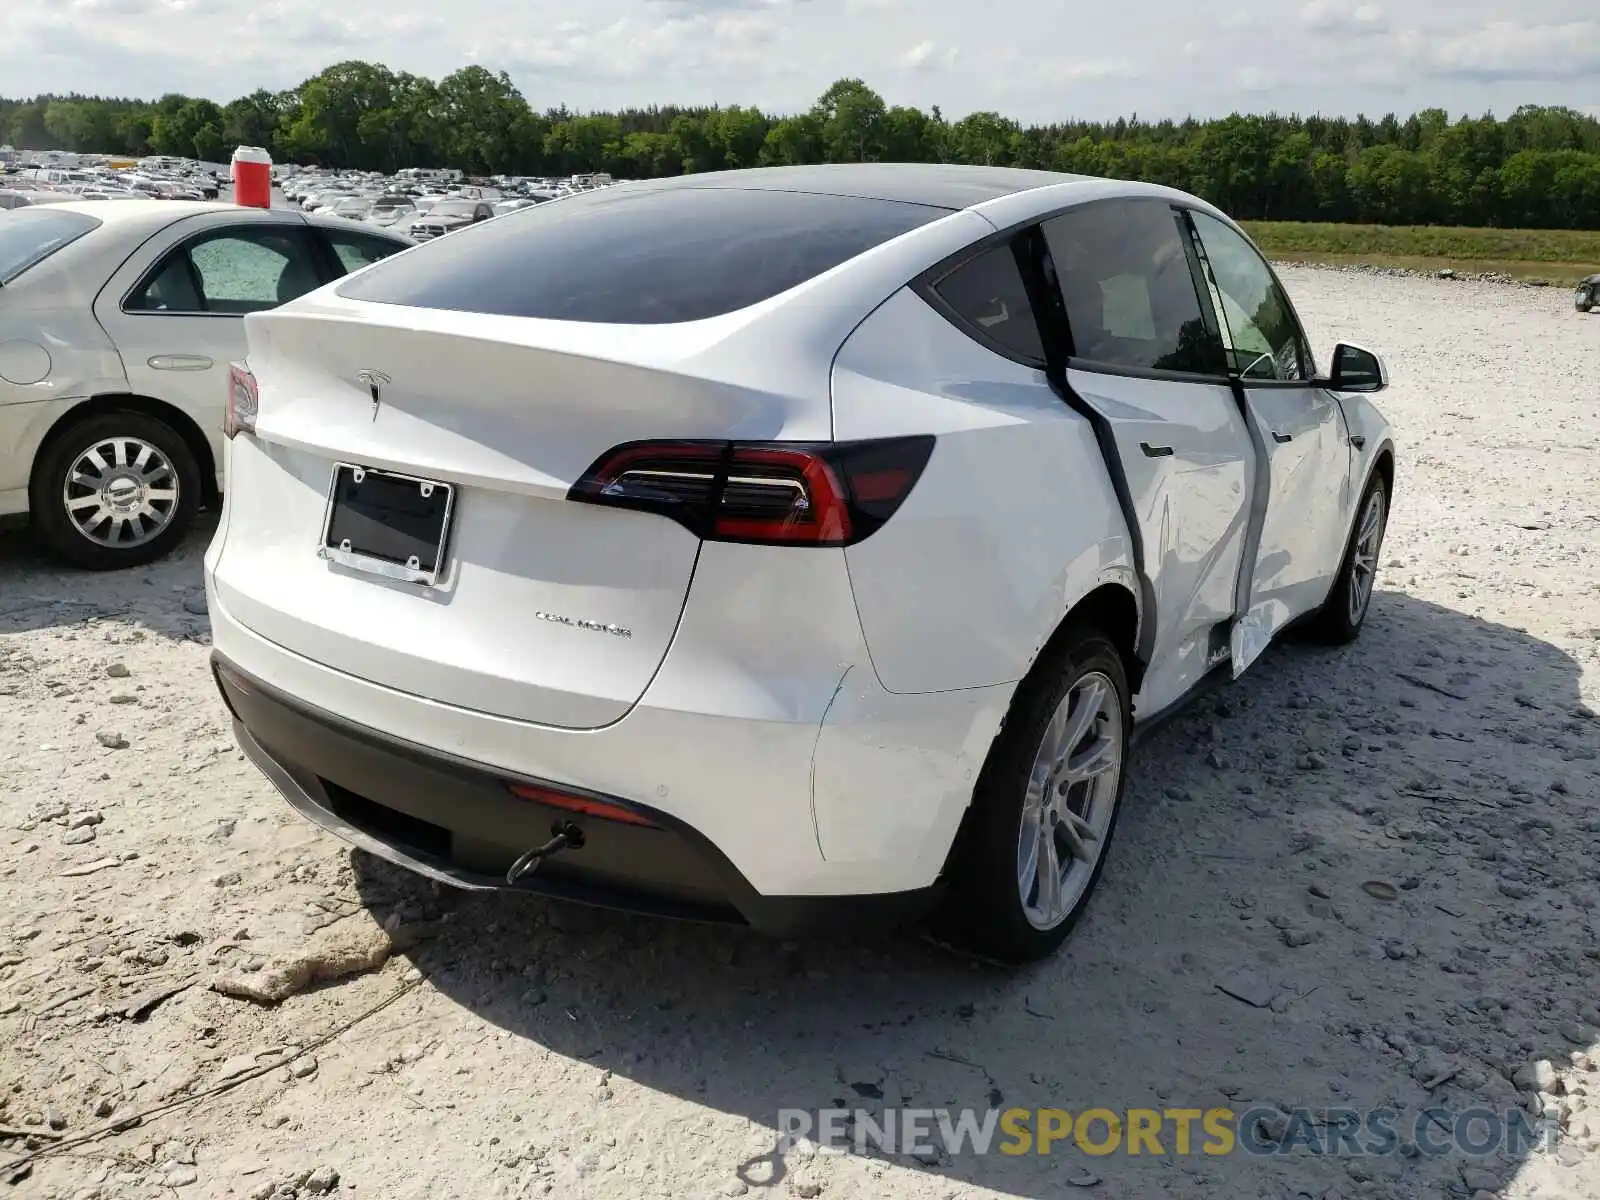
{"x": 244, "y": 401}
{"x": 771, "y": 493}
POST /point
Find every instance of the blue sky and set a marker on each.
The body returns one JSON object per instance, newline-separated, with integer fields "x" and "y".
{"x": 1037, "y": 60}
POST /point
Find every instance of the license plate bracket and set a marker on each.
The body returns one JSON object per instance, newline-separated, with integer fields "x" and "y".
{"x": 387, "y": 523}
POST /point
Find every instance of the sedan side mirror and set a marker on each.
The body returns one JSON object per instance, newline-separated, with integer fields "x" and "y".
{"x": 1357, "y": 369}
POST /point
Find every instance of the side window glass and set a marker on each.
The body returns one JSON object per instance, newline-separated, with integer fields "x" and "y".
{"x": 250, "y": 270}
{"x": 988, "y": 294}
{"x": 357, "y": 250}
{"x": 171, "y": 289}
{"x": 1129, "y": 293}
{"x": 1264, "y": 341}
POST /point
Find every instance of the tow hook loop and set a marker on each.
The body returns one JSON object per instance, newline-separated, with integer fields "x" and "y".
{"x": 567, "y": 837}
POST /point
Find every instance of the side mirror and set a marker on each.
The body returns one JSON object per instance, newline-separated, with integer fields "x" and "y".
{"x": 1357, "y": 369}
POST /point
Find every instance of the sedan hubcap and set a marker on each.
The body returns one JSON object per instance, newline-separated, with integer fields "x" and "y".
{"x": 1072, "y": 794}
{"x": 1364, "y": 557}
{"x": 120, "y": 492}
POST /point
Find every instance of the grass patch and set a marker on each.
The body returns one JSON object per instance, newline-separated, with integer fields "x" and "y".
{"x": 1553, "y": 255}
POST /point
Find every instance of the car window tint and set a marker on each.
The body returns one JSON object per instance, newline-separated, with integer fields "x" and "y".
{"x": 357, "y": 250}
{"x": 32, "y": 234}
{"x": 171, "y": 289}
{"x": 1264, "y": 341}
{"x": 249, "y": 270}
{"x": 1130, "y": 297}
{"x": 988, "y": 294}
{"x": 640, "y": 256}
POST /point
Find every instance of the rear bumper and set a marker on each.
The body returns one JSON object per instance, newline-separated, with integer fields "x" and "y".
{"x": 764, "y": 735}
{"x": 455, "y": 821}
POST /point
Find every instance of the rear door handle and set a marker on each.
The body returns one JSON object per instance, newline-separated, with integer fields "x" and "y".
{"x": 179, "y": 362}
{"x": 1155, "y": 451}
{"x": 1280, "y": 438}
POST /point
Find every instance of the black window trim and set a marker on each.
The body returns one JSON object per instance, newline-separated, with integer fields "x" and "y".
{"x": 1303, "y": 345}
{"x": 1095, "y": 366}
{"x": 923, "y": 284}
{"x": 927, "y": 283}
{"x": 301, "y": 228}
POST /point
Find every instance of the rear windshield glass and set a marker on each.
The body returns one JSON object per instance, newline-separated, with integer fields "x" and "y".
{"x": 30, "y": 235}
{"x": 640, "y": 256}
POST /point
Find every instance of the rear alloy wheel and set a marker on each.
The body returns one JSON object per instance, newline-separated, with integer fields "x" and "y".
{"x": 1045, "y": 806}
{"x": 1346, "y": 608}
{"x": 114, "y": 490}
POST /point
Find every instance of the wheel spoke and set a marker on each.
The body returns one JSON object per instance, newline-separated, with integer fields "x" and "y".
{"x": 1078, "y": 833}
{"x": 1049, "y": 874}
{"x": 159, "y": 495}
{"x": 83, "y": 502}
{"x": 142, "y": 458}
{"x": 1088, "y": 764}
{"x": 1084, "y": 711}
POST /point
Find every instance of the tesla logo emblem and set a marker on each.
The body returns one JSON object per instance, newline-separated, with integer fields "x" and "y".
{"x": 374, "y": 381}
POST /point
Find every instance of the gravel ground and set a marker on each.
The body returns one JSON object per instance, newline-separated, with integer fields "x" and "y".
{"x": 531, "y": 1049}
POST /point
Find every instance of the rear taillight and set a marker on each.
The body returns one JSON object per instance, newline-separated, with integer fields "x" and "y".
{"x": 244, "y": 401}
{"x": 772, "y": 493}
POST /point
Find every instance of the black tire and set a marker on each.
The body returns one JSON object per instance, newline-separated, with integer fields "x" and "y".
{"x": 1338, "y": 622}
{"x": 1583, "y": 305}
{"x": 984, "y": 913}
{"x": 55, "y": 528}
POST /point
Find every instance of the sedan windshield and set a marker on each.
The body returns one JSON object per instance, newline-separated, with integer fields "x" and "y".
{"x": 452, "y": 208}
{"x": 31, "y": 235}
{"x": 352, "y": 208}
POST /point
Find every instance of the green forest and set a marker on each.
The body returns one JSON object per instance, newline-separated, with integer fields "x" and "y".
{"x": 1538, "y": 168}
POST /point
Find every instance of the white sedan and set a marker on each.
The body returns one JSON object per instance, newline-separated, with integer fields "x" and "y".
{"x": 781, "y": 546}
{"x": 117, "y": 324}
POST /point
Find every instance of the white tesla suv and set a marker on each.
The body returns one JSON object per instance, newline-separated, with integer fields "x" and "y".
{"x": 748, "y": 545}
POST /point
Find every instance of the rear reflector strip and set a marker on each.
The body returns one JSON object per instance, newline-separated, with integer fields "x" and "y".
{"x": 587, "y": 806}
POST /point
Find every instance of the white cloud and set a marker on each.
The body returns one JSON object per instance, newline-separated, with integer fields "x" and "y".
{"x": 1035, "y": 60}
{"x": 1507, "y": 50}
{"x": 929, "y": 56}
{"x": 1255, "y": 79}
{"x": 1094, "y": 69}
{"x": 1336, "y": 17}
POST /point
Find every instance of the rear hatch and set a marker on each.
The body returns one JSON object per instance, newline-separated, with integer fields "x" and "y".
{"x": 545, "y": 610}
{"x": 505, "y": 363}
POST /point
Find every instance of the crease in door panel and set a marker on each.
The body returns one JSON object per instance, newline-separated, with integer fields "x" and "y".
{"x": 816, "y": 825}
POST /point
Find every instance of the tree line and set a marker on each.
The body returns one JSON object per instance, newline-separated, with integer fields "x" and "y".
{"x": 1537, "y": 168}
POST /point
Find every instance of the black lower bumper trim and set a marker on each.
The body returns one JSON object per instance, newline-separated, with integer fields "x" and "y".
{"x": 455, "y": 821}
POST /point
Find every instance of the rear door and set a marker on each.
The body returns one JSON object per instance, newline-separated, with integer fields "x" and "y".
{"x": 1146, "y": 359}
{"x": 1300, "y": 431}
{"x": 175, "y": 310}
